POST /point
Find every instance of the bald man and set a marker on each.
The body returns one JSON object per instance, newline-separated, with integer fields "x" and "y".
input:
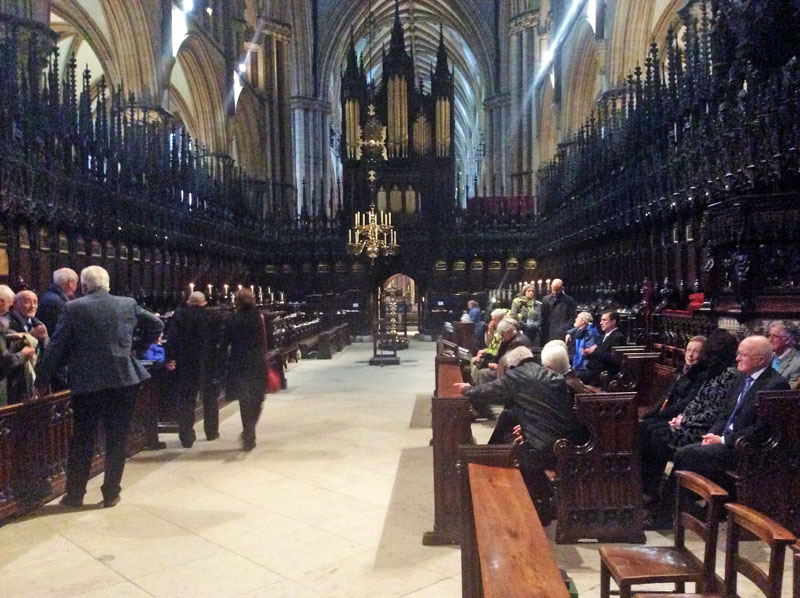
{"x": 715, "y": 455}
{"x": 558, "y": 313}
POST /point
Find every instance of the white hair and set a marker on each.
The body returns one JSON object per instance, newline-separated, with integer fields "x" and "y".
{"x": 94, "y": 278}
{"x": 554, "y": 356}
{"x": 505, "y": 325}
{"x": 7, "y": 293}
{"x": 62, "y": 276}
{"x": 196, "y": 298}
{"x": 498, "y": 313}
{"x": 586, "y": 317}
{"x": 512, "y": 359}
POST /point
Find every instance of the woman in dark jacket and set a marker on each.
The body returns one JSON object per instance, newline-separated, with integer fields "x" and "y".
{"x": 697, "y": 415}
{"x": 683, "y": 390}
{"x": 245, "y": 335}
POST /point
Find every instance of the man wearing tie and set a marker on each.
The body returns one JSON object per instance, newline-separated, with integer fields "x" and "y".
{"x": 600, "y": 357}
{"x": 715, "y": 454}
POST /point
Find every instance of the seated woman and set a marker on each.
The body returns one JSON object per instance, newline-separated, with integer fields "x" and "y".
{"x": 663, "y": 438}
{"x": 682, "y": 391}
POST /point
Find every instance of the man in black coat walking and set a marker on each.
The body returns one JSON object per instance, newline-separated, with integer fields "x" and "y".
{"x": 192, "y": 340}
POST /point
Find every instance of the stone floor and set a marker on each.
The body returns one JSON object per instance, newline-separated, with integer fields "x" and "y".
{"x": 333, "y": 502}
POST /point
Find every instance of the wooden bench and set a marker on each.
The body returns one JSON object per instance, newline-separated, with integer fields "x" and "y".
{"x": 504, "y": 550}
{"x": 451, "y": 421}
{"x": 628, "y": 349}
{"x": 767, "y": 473}
{"x": 34, "y": 440}
{"x": 598, "y": 484}
{"x": 332, "y": 341}
{"x": 636, "y": 374}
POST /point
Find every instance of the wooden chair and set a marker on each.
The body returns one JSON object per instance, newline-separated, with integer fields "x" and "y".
{"x": 671, "y": 564}
{"x": 771, "y": 533}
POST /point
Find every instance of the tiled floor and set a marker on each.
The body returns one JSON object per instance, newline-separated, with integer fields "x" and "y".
{"x": 332, "y": 503}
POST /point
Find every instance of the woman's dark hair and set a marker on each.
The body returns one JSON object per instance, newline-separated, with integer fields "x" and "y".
{"x": 720, "y": 351}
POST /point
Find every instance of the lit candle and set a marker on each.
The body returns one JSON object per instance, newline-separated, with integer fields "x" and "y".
{"x": 225, "y": 286}
{"x": 350, "y": 237}
{"x": 210, "y": 287}
{"x": 191, "y": 287}
{"x": 390, "y": 219}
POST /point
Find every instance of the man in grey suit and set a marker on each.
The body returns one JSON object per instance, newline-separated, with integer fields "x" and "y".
{"x": 94, "y": 337}
{"x": 786, "y": 360}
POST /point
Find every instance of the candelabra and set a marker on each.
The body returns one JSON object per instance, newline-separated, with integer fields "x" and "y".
{"x": 372, "y": 233}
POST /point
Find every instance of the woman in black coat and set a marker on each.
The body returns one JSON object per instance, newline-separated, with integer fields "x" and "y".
{"x": 245, "y": 336}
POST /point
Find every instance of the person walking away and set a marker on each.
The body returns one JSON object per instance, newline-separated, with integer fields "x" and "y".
{"x": 246, "y": 338}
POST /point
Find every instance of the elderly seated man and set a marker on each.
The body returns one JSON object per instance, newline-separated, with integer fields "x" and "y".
{"x": 491, "y": 340}
{"x": 786, "y": 358}
{"x": 538, "y": 399}
{"x": 508, "y": 330}
{"x": 22, "y": 319}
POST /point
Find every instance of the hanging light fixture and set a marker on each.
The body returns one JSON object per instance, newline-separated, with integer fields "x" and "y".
{"x": 372, "y": 233}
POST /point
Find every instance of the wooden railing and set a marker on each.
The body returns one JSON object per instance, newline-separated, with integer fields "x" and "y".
{"x": 34, "y": 438}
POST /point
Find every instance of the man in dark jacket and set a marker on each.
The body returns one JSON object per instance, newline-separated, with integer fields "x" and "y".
{"x": 192, "y": 341}
{"x": 51, "y": 304}
{"x": 558, "y": 313}
{"x": 601, "y": 358}
{"x": 716, "y": 454}
{"x": 52, "y": 301}
{"x": 95, "y": 337}
{"x": 539, "y": 399}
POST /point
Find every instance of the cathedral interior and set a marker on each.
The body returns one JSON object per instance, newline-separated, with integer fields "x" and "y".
{"x": 344, "y": 157}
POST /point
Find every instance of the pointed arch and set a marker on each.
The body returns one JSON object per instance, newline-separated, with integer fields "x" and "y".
{"x": 548, "y": 124}
{"x": 131, "y": 36}
{"x": 247, "y": 135}
{"x": 583, "y": 86}
{"x": 207, "y": 106}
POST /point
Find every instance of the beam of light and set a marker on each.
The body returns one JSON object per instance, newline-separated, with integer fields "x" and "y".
{"x": 548, "y": 56}
{"x": 556, "y": 41}
{"x": 188, "y": 5}
{"x": 180, "y": 29}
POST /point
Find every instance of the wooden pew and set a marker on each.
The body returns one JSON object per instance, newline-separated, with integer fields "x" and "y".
{"x": 451, "y": 421}
{"x": 598, "y": 484}
{"x": 504, "y": 550}
{"x": 636, "y": 374}
{"x": 34, "y": 439}
{"x": 767, "y": 473}
{"x": 464, "y": 336}
{"x": 628, "y": 349}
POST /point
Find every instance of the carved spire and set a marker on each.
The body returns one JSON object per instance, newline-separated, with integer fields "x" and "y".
{"x": 398, "y": 43}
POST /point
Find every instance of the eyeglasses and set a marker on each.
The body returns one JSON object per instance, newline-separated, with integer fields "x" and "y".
{"x": 777, "y": 336}
{"x": 745, "y": 355}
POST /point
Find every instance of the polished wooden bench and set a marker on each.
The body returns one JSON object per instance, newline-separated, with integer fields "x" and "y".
{"x": 504, "y": 550}
{"x": 598, "y": 484}
{"x": 451, "y": 421}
